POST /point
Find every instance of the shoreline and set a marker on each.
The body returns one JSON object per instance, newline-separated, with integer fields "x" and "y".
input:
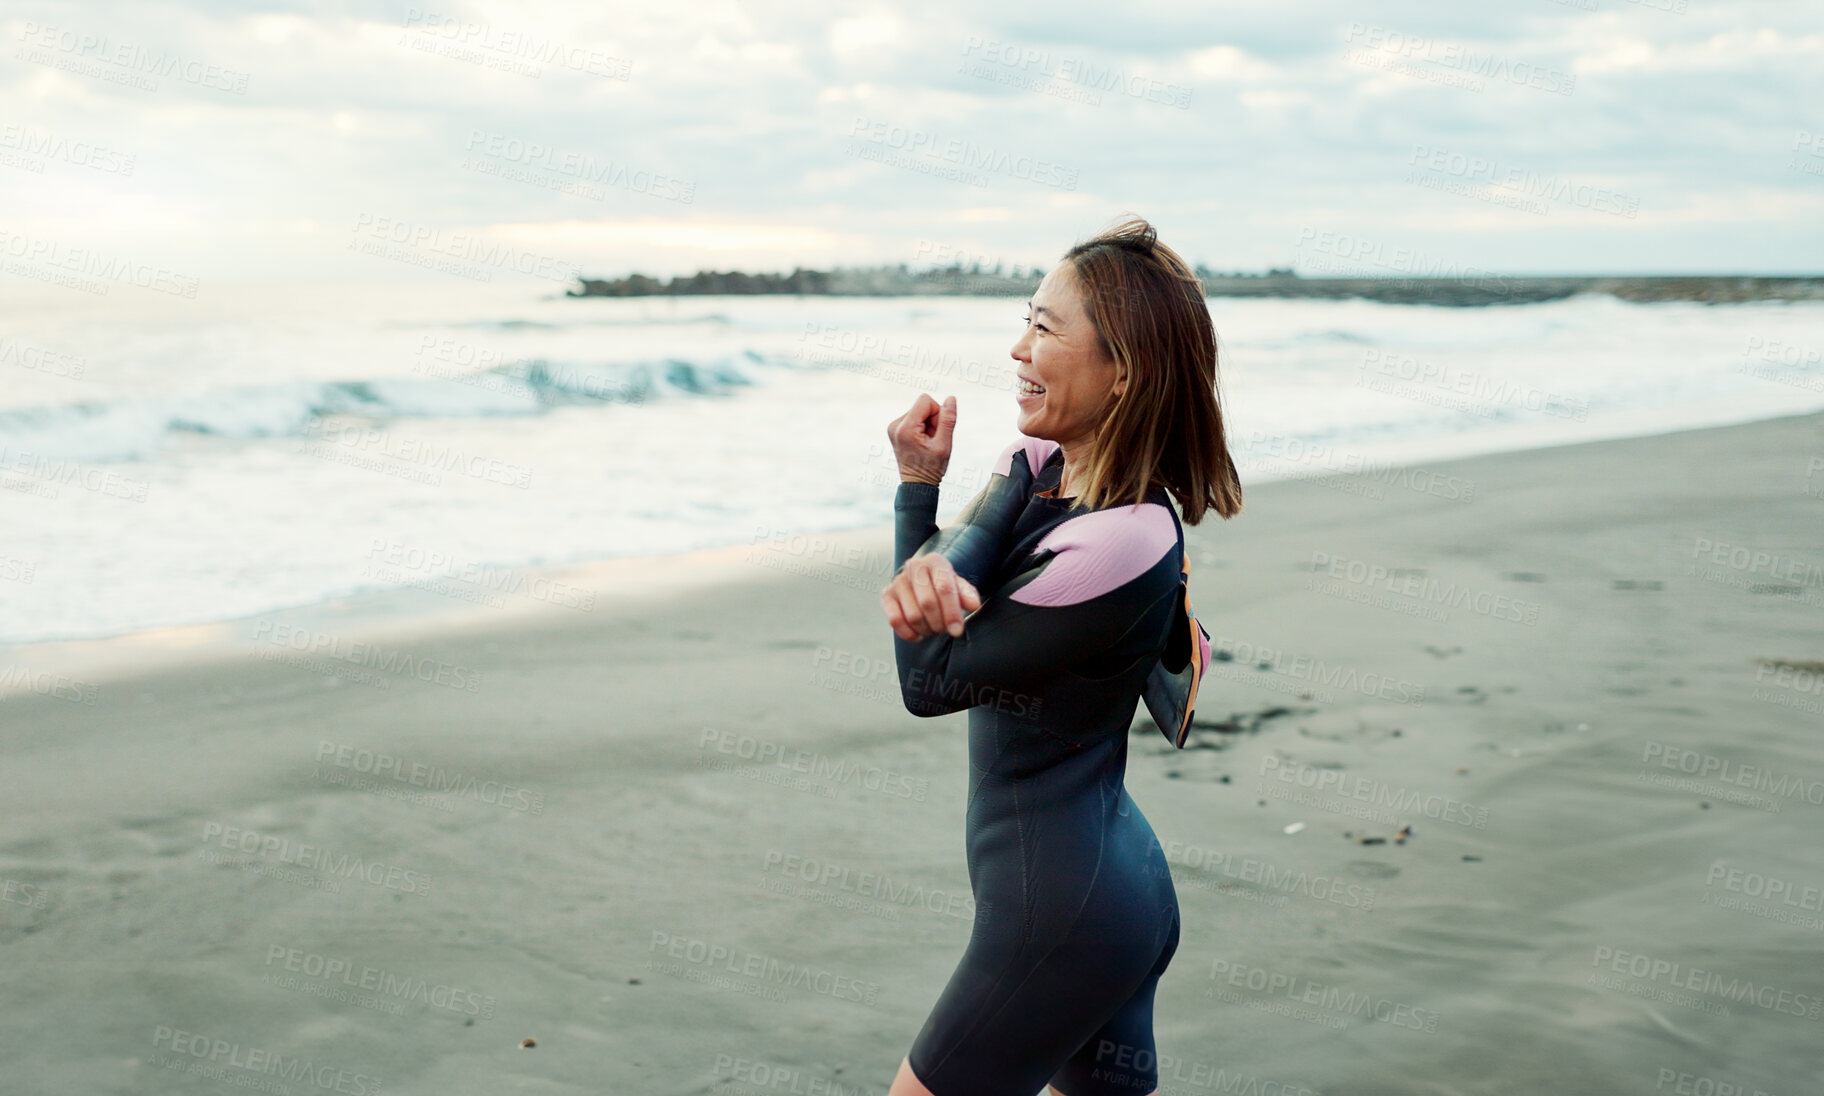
{"x": 383, "y": 613}
{"x": 378, "y": 615}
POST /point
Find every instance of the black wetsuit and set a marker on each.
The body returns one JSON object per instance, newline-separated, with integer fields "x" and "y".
{"x": 1076, "y": 916}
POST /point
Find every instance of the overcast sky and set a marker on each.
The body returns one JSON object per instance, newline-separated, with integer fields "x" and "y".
{"x": 236, "y": 140}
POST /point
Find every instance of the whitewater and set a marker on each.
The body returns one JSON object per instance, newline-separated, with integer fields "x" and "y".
{"x": 179, "y": 460}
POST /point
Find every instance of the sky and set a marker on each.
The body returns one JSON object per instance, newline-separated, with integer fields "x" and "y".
{"x": 246, "y": 141}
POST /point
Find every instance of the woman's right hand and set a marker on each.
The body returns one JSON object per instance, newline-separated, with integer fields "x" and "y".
{"x": 921, "y": 439}
{"x": 927, "y": 596}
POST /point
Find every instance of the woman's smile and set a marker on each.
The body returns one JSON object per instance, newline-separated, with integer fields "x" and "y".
{"x": 1064, "y": 382}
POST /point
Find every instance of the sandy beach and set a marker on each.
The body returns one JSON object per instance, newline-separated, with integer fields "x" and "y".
{"x": 669, "y": 820}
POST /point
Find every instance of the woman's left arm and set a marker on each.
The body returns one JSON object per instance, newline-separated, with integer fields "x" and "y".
{"x": 1090, "y": 585}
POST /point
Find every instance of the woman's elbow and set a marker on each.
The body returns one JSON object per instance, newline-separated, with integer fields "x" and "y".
{"x": 924, "y": 707}
{"x": 915, "y": 690}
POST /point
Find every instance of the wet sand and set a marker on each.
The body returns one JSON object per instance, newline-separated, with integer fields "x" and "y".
{"x": 686, "y": 838}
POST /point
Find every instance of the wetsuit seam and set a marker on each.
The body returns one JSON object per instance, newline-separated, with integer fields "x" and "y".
{"x": 1019, "y": 828}
{"x": 974, "y": 1025}
{"x": 1034, "y": 966}
{"x": 1140, "y": 619}
{"x": 986, "y": 773}
{"x": 1144, "y": 613}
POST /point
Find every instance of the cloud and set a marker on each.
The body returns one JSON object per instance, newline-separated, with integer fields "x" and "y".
{"x": 662, "y": 136}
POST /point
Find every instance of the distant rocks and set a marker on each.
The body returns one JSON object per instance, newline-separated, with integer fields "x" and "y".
{"x": 1467, "y": 291}
{"x": 885, "y": 281}
{"x": 1490, "y": 289}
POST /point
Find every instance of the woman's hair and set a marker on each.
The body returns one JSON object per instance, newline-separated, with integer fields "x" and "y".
{"x": 1166, "y": 427}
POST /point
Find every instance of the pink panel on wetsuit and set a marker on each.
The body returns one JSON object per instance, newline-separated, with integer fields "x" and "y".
{"x": 1098, "y": 552}
{"x": 1038, "y": 451}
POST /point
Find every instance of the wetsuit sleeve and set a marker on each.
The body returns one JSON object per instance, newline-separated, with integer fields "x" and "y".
{"x": 978, "y": 539}
{"x": 914, "y": 519}
{"x": 1093, "y": 579}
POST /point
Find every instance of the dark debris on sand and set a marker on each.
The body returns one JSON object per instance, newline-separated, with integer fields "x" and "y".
{"x": 1207, "y": 734}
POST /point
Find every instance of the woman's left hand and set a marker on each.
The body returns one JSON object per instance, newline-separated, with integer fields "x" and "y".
{"x": 928, "y": 597}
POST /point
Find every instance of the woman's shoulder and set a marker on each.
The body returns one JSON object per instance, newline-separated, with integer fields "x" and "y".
{"x": 1102, "y": 550}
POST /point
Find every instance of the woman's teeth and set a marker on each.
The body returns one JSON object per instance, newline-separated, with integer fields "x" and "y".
{"x": 1027, "y": 388}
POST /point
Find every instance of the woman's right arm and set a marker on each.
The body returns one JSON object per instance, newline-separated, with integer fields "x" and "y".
{"x": 979, "y": 538}
{"x": 914, "y": 519}
{"x": 937, "y": 570}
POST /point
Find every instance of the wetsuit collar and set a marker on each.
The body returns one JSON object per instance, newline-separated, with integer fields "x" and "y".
{"x": 1051, "y": 475}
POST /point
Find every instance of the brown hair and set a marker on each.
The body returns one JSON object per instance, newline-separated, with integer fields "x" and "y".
{"x": 1166, "y": 427}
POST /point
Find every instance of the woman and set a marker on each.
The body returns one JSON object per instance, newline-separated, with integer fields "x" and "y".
{"x": 1042, "y": 611}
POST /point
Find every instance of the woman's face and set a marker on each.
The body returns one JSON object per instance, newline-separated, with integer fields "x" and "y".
{"x": 1058, "y": 352}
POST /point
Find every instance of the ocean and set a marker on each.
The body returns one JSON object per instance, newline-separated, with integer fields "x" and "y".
{"x": 170, "y": 461}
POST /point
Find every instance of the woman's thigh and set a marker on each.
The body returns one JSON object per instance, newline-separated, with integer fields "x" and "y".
{"x": 1014, "y": 1013}
{"x": 1121, "y": 1059}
